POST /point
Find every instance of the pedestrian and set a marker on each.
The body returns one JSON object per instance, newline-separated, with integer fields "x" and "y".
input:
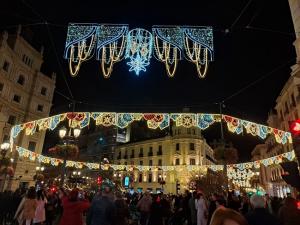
{"x": 201, "y": 208}
{"x": 260, "y": 215}
{"x": 212, "y": 207}
{"x": 226, "y": 216}
{"x": 103, "y": 209}
{"x": 40, "y": 214}
{"x": 144, "y": 206}
{"x": 122, "y": 210}
{"x": 289, "y": 214}
{"x": 245, "y": 205}
{"x": 156, "y": 215}
{"x": 27, "y": 207}
{"x": 73, "y": 209}
{"x": 192, "y": 207}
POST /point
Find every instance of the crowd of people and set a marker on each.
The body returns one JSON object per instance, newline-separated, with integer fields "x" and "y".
{"x": 75, "y": 207}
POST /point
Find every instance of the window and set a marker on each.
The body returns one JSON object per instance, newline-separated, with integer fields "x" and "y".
{"x": 5, "y": 138}
{"x": 141, "y": 163}
{"x": 44, "y": 91}
{"x": 150, "y": 162}
{"x": 159, "y": 162}
{"x": 150, "y": 178}
{"x": 177, "y": 146}
{"x": 159, "y": 148}
{"x": 150, "y": 151}
{"x": 6, "y": 66}
{"x": 141, "y": 153}
{"x": 194, "y": 131}
{"x": 178, "y": 132}
{"x": 21, "y": 80}
{"x": 192, "y": 146}
{"x": 31, "y": 146}
{"x": 17, "y": 98}
{"x": 40, "y": 108}
{"x": 140, "y": 177}
{"x": 119, "y": 156}
{"x": 132, "y": 153}
{"x": 192, "y": 162}
{"x": 188, "y": 131}
{"x": 12, "y": 120}
{"x": 293, "y": 100}
{"x": 177, "y": 162}
{"x": 1, "y": 86}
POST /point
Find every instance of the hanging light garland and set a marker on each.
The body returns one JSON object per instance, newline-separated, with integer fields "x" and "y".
{"x": 154, "y": 121}
{"x": 234, "y": 171}
{"x": 115, "y": 42}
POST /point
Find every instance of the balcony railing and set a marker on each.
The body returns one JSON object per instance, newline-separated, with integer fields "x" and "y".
{"x": 141, "y": 155}
{"x": 131, "y": 156}
{"x": 159, "y": 152}
{"x": 125, "y": 156}
{"x": 150, "y": 154}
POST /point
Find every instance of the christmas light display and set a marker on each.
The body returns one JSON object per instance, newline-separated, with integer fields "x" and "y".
{"x": 154, "y": 121}
{"x": 242, "y": 168}
{"x": 139, "y": 49}
{"x": 112, "y": 43}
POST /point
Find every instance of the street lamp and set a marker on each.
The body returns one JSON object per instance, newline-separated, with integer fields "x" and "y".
{"x": 67, "y": 139}
{"x": 162, "y": 180}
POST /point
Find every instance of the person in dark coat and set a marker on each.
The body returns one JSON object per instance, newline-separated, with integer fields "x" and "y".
{"x": 260, "y": 215}
{"x": 103, "y": 209}
{"x": 212, "y": 207}
{"x": 156, "y": 213}
{"x": 122, "y": 210}
{"x": 288, "y": 213}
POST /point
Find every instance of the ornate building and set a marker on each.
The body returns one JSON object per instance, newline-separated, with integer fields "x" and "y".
{"x": 184, "y": 147}
{"x": 287, "y": 109}
{"x": 26, "y": 94}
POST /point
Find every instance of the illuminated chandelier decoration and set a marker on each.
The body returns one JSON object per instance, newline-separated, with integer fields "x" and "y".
{"x": 138, "y": 49}
{"x": 113, "y": 43}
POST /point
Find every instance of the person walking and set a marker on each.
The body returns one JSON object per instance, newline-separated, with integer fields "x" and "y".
{"x": 201, "y": 208}
{"x": 122, "y": 210}
{"x": 144, "y": 206}
{"x": 289, "y": 214}
{"x": 103, "y": 209}
{"x": 73, "y": 209}
{"x": 192, "y": 207}
{"x": 260, "y": 215}
{"x": 27, "y": 207}
{"x": 40, "y": 215}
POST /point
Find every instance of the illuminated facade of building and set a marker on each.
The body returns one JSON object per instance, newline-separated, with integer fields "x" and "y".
{"x": 186, "y": 146}
{"x": 25, "y": 95}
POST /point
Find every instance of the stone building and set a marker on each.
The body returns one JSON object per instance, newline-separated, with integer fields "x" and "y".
{"x": 25, "y": 94}
{"x": 186, "y": 146}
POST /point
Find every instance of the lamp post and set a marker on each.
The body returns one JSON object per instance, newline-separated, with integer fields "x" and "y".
{"x": 67, "y": 138}
{"x": 39, "y": 170}
{"x": 76, "y": 175}
{"x": 4, "y": 147}
{"x": 162, "y": 180}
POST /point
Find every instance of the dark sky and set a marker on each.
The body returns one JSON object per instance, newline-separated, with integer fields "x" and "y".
{"x": 257, "y": 46}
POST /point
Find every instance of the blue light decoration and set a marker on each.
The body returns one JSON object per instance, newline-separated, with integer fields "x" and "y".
{"x": 111, "y": 41}
{"x": 126, "y": 181}
{"x": 205, "y": 120}
{"x": 80, "y": 44}
{"x": 198, "y": 42}
{"x": 168, "y": 43}
{"x": 138, "y": 50}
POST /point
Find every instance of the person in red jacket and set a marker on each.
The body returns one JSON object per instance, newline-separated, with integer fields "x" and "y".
{"x": 73, "y": 209}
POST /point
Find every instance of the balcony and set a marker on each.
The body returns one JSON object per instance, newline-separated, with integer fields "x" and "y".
{"x": 159, "y": 152}
{"x": 150, "y": 154}
{"x": 141, "y": 155}
{"x": 125, "y": 156}
{"x": 132, "y": 156}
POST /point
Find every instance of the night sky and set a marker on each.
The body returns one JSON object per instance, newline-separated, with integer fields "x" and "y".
{"x": 253, "y": 42}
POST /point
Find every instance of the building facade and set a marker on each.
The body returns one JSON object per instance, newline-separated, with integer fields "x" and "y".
{"x": 184, "y": 147}
{"x": 25, "y": 94}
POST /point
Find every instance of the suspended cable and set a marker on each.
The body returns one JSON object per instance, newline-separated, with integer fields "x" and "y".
{"x": 240, "y": 15}
{"x": 258, "y": 80}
